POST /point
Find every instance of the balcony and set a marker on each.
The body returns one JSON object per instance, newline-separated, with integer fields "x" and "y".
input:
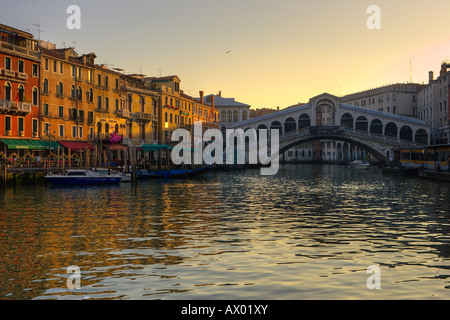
{"x": 142, "y": 116}
{"x": 123, "y": 113}
{"x": 31, "y": 54}
{"x": 22, "y": 76}
{"x": 20, "y": 134}
{"x": 12, "y": 106}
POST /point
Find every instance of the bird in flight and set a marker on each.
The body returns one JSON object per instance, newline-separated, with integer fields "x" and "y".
{"x": 227, "y": 51}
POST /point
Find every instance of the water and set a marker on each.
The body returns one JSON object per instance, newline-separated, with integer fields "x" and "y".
{"x": 310, "y": 232}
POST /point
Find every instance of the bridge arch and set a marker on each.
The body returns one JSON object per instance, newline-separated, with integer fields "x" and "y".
{"x": 277, "y": 125}
{"x": 391, "y": 130}
{"x": 362, "y": 124}
{"x": 380, "y": 156}
{"x": 421, "y": 136}
{"x": 304, "y": 121}
{"x": 406, "y": 133}
{"x": 376, "y": 126}
{"x": 290, "y": 125}
{"x": 347, "y": 120}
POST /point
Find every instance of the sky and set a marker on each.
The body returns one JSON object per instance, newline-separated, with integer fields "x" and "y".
{"x": 267, "y": 54}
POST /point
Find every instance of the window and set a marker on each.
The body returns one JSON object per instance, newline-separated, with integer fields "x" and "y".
{"x": 107, "y": 103}
{"x": 74, "y": 71}
{"x": 35, "y": 96}
{"x": 7, "y": 63}
{"x": 117, "y": 84}
{"x": 46, "y": 64}
{"x": 166, "y": 116}
{"x": 21, "y": 91}
{"x": 7, "y": 91}
{"x": 171, "y": 119}
{"x": 21, "y": 66}
{"x": 72, "y": 91}
{"x": 106, "y": 81}
{"x": 80, "y": 132}
{"x": 74, "y": 131}
{"x": 61, "y": 68}
{"x": 79, "y": 73}
{"x": 61, "y": 130}
{"x": 61, "y": 111}
{"x": 117, "y": 105}
{"x": 91, "y": 133}
{"x": 45, "y": 109}
{"x": 90, "y": 118}
{"x": 99, "y": 102}
{"x": 35, "y": 70}
{"x": 80, "y": 94}
{"x": 35, "y": 127}
{"x": 99, "y": 80}
{"x": 20, "y": 124}
{"x": 91, "y": 76}
{"x": 91, "y": 96}
{"x": 45, "y": 87}
{"x": 54, "y": 66}
{"x": 7, "y": 123}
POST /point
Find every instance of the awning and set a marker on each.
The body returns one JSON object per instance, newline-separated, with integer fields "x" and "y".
{"x": 76, "y": 145}
{"x": 155, "y": 147}
{"x": 44, "y": 144}
{"x": 30, "y": 144}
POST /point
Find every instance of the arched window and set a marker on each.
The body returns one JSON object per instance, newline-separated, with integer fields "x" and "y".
{"x": 244, "y": 115}
{"x": 80, "y": 94}
{"x": 235, "y": 116}
{"x": 99, "y": 127}
{"x": 7, "y": 91}
{"x": 21, "y": 92}
{"x": 107, "y": 128}
{"x": 60, "y": 89}
{"x": 35, "y": 96}
{"x": 45, "y": 86}
{"x": 72, "y": 92}
{"x": 223, "y": 116}
{"x": 91, "y": 96}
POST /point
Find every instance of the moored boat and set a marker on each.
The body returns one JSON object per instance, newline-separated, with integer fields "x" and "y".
{"x": 359, "y": 164}
{"x": 125, "y": 177}
{"x": 174, "y": 173}
{"x": 82, "y": 176}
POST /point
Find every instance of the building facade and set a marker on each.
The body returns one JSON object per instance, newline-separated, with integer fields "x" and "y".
{"x": 19, "y": 85}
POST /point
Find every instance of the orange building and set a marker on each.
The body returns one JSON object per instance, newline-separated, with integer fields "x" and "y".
{"x": 19, "y": 89}
{"x": 67, "y": 110}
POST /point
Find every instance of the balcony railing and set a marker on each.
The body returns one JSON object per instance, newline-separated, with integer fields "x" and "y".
{"x": 142, "y": 116}
{"x": 15, "y": 106}
{"x": 20, "y": 50}
{"x": 124, "y": 113}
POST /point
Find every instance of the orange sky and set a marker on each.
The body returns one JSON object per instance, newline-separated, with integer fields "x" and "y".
{"x": 282, "y": 52}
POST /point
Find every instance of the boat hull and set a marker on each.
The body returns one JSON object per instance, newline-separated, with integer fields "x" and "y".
{"x": 62, "y": 180}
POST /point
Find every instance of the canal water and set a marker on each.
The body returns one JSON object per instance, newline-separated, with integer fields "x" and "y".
{"x": 310, "y": 232}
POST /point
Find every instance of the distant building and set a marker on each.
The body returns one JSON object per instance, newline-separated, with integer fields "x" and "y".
{"x": 399, "y": 98}
{"x": 230, "y": 110}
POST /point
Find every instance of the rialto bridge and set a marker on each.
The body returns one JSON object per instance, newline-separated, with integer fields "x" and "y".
{"x": 325, "y": 118}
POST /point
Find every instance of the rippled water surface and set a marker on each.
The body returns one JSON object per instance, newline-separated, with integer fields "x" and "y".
{"x": 310, "y": 232}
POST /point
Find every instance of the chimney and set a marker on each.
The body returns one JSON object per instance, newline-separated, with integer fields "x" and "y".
{"x": 212, "y": 101}
{"x": 201, "y": 97}
{"x": 220, "y": 94}
{"x": 278, "y": 108}
{"x": 430, "y": 76}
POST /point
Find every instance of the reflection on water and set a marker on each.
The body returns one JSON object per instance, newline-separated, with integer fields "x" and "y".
{"x": 310, "y": 232}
